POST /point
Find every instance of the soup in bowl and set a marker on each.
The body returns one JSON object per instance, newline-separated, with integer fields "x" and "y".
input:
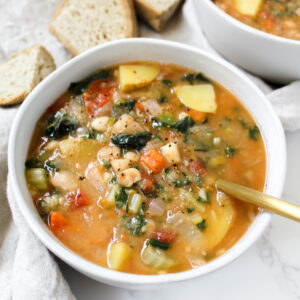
{"x": 118, "y": 179}
{"x": 260, "y": 36}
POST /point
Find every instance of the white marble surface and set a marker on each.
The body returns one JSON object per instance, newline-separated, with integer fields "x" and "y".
{"x": 268, "y": 270}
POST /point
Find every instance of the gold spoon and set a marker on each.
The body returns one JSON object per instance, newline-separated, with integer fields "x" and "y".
{"x": 267, "y": 202}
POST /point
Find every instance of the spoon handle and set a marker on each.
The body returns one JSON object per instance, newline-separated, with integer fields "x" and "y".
{"x": 267, "y": 202}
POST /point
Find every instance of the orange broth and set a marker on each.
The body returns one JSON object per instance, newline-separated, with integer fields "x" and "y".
{"x": 179, "y": 220}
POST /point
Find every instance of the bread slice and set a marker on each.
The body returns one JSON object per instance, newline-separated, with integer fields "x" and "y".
{"x": 22, "y": 72}
{"x": 80, "y": 25}
{"x": 156, "y": 12}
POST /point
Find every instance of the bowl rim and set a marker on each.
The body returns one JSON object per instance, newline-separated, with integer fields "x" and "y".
{"x": 105, "y": 274}
{"x": 248, "y": 28}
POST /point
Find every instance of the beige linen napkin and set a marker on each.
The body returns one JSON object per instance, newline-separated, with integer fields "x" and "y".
{"x": 27, "y": 270}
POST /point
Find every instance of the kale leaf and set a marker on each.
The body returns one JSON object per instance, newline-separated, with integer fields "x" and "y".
{"x": 80, "y": 87}
{"x": 121, "y": 198}
{"x": 123, "y": 106}
{"x": 194, "y": 78}
{"x": 131, "y": 141}
{"x": 59, "y": 125}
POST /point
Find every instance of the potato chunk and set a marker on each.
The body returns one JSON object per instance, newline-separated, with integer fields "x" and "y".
{"x": 199, "y": 97}
{"x": 127, "y": 124}
{"x": 171, "y": 153}
{"x": 129, "y": 177}
{"x": 118, "y": 255}
{"x": 247, "y": 7}
{"x": 132, "y": 77}
{"x": 100, "y": 123}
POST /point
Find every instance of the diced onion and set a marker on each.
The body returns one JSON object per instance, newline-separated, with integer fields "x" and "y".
{"x": 157, "y": 207}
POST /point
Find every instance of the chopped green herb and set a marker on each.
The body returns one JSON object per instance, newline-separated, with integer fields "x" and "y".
{"x": 105, "y": 163}
{"x": 123, "y": 106}
{"x": 229, "y": 152}
{"x": 131, "y": 141}
{"x": 181, "y": 183}
{"x": 194, "y": 78}
{"x": 167, "y": 170}
{"x": 60, "y": 124}
{"x": 121, "y": 198}
{"x": 91, "y": 134}
{"x": 190, "y": 209}
{"x": 159, "y": 244}
{"x": 202, "y": 225}
{"x": 113, "y": 180}
{"x": 167, "y": 119}
{"x": 163, "y": 99}
{"x": 50, "y": 166}
{"x": 167, "y": 82}
{"x": 136, "y": 167}
{"x": 81, "y": 86}
{"x": 198, "y": 180}
{"x": 184, "y": 125}
{"x": 253, "y": 133}
{"x": 203, "y": 200}
{"x": 135, "y": 224}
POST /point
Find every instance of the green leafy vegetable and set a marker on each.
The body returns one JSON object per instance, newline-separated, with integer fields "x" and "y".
{"x": 81, "y": 86}
{"x": 180, "y": 183}
{"x": 202, "y": 225}
{"x": 105, "y": 163}
{"x": 33, "y": 163}
{"x": 113, "y": 180}
{"x": 229, "y": 152}
{"x": 190, "y": 209}
{"x": 167, "y": 82}
{"x": 123, "y": 106}
{"x": 59, "y": 125}
{"x": 163, "y": 99}
{"x": 195, "y": 78}
{"x": 202, "y": 148}
{"x": 121, "y": 198}
{"x": 135, "y": 224}
{"x": 131, "y": 141}
{"x": 91, "y": 134}
{"x": 50, "y": 166}
{"x": 167, "y": 119}
{"x": 253, "y": 133}
{"x": 204, "y": 200}
{"x": 182, "y": 126}
{"x": 159, "y": 244}
{"x": 198, "y": 180}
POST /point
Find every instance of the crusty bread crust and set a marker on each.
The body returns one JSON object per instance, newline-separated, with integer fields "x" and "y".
{"x": 128, "y": 7}
{"x": 20, "y": 97}
{"x": 153, "y": 16}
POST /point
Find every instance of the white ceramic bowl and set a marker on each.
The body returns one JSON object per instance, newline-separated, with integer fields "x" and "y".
{"x": 271, "y": 57}
{"x": 156, "y": 50}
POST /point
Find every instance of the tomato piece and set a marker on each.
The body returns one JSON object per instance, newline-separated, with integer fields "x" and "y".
{"x": 164, "y": 236}
{"x": 98, "y": 94}
{"x": 198, "y": 167}
{"x": 153, "y": 160}
{"x": 77, "y": 199}
{"x": 147, "y": 184}
{"x": 57, "y": 220}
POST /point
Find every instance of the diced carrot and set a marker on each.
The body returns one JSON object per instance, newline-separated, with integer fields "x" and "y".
{"x": 235, "y": 162}
{"x": 198, "y": 167}
{"x": 77, "y": 199}
{"x": 57, "y": 220}
{"x": 197, "y": 116}
{"x": 153, "y": 160}
{"x": 267, "y": 21}
{"x": 164, "y": 236}
{"x": 139, "y": 106}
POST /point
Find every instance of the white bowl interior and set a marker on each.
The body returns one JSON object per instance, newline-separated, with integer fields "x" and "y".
{"x": 154, "y": 50}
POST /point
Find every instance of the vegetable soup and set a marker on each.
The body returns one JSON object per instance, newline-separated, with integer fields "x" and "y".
{"x": 122, "y": 168}
{"x": 279, "y": 17}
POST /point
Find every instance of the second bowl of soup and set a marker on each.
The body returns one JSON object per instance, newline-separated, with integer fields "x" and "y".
{"x": 120, "y": 169}
{"x": 261, "y": 36}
